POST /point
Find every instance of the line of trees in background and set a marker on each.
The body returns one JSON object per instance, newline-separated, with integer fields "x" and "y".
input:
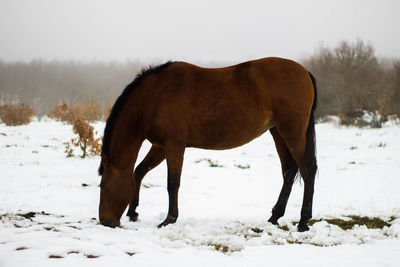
{"x": 351, "y": 81}
{"x": 41, "y": 84}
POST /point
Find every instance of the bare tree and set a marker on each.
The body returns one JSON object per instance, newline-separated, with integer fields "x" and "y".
{"x": 352, "y": 81}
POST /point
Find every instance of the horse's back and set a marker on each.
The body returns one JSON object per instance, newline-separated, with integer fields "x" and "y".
{"x": 219, "y": 108}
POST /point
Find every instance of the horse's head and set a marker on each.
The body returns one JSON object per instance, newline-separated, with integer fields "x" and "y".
{"x": 116, "y": 190}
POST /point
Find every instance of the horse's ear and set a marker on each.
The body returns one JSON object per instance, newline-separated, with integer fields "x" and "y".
{"x": 104, "y": 160}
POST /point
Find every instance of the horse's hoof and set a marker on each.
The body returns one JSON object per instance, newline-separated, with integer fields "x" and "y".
{"x": 302, "y": 228}
{"x": 273, "y": 220}
{"x": 170, "y": 219}
{"x": 132, "y": 216}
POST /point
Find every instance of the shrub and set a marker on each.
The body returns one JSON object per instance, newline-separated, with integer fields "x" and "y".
{"x": 75, "y": 112}
{"x": 60, "y": 112}
{"x": 92, "y": 110}
{"x": 85, "y": 139}
{"x": 64, "y": 112}
{"x": 13, "y": 115}
{"x": 363, "y": 118}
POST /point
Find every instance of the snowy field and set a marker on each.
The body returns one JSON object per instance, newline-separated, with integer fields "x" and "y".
{"x": 49, "y": 205}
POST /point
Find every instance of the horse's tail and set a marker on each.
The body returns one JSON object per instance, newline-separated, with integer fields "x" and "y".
{"x": 310, "y": 160}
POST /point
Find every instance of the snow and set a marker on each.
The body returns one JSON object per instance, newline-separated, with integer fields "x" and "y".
{"x": 223, "y": 210}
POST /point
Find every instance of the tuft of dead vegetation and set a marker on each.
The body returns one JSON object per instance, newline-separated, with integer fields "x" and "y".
{"x": 84, "y": 139}
{"x": 13, "y": 115}
{"x": 80, "y": 117}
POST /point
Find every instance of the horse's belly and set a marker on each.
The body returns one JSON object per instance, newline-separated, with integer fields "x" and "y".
{"x": 228, "y": 135}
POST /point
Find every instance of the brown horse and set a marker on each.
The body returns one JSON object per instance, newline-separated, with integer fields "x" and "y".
{"x": 178, "y": 105}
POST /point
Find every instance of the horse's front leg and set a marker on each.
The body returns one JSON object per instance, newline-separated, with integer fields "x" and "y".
{"x": 153, "y": 158}
{"x": 174, "y": 155}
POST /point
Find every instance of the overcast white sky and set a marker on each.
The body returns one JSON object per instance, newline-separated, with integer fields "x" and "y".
{"x": 203, "y": 30}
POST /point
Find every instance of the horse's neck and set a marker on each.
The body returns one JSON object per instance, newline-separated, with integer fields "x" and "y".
{"x": 125, "y": 145}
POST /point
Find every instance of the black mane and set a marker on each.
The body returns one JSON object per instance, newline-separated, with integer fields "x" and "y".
{"x": 121, "y": 101}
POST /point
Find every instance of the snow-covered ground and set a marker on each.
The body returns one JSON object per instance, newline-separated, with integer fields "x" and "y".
{"x": 49, "y": 204}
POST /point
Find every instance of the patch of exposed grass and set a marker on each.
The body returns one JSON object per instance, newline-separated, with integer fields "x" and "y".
{"x": 381, "y": 144}
{"x": 74, "y": 227}
{"x": 31, "y": 214}
{"x": 283, "y": 227}
{"x": 243, "y": 167}
{"x": 220, "y": 247}
{"x": 211, "y": 163}
{"x": 51, "y": 229}
{"x": 27, "y": 215}
{"x": 353, "y": 147}
{"x": 257, "y": 230}
{"x": 223, "y": 248}
{"x": 84, "y": 184}
{"x": 14, "y": 145}
{"x": 149, "y": 185}
{"x": 295, "y": 241}
{"x": 317, "y": 244}
{"x": 369, "y": 222}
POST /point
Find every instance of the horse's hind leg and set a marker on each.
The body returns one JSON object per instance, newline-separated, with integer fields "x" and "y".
{"x": 306, "y": 210}
{"x": 300, "y": 142}
{"x": 289, "y": 170}
{"x": 153, "y": 158}
{"x": 306, "y": 160}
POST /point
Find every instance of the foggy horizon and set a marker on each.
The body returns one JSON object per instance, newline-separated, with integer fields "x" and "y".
{"x": 220, "y": 31}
